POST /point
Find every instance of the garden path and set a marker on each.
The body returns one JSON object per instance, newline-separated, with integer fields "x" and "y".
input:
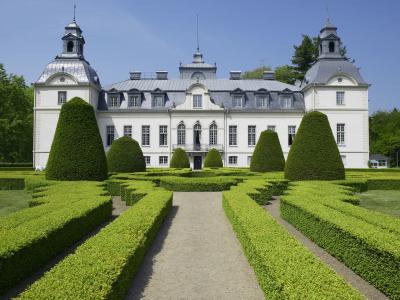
{"x": 365, "y": 288}
{"x": 195, "y": 255}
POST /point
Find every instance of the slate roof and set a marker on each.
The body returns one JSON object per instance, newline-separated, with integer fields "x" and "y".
{"x": 378, "y": 157}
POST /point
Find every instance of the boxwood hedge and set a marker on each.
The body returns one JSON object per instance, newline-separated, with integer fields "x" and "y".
{"x": 200, "y": 184}
{"x": 213, "y": 159}
{"x": 125, "y": 155}
{"x": 179, "y": 159}
{"x": 268, "y": 155}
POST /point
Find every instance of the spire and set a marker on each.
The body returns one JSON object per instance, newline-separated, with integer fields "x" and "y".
{"x": 329, "y": 41}
{"x": 74, "y": 11}
{"x": 198, "y": 56}
{"x": 197, "y": 31}
{"x": 73, "y": 40}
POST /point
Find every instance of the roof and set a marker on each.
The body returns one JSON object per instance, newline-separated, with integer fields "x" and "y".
{"x": 378, "y": 157}
{"x": 80, "y": 69}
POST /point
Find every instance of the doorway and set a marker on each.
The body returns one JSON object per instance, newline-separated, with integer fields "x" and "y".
{"x": 197, "y": 162}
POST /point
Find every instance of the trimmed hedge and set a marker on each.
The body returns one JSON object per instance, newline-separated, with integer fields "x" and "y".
{"x": 103, "y": 267}
{"x": 77, "y": 152}
{"x": 65, "y": 212}
{"x": 213, "y": 159}
{"x": 125, "y": 155}
{"x": 179, "y": 159}
{"x": 314, "y": 154}
{"x": 12, "y": 184}
{"x": 285, "y": 269}
{"x": 202, "y": 184}
{"x": 268, "y": 155}
{"x": 368, "y": 242}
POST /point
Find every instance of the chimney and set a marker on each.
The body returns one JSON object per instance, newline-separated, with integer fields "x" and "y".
{"x": 235, "y": 75}
{"x": 161, "y": 75}
{"x": 135, "y": 75}
{"x": 269, "y": 75}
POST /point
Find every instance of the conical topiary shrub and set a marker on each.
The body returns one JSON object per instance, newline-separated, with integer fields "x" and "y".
{"x": 213, "y": 159}
{"x": 267, "y": 155}
{"x": 314, "y": 154}
{"x": 77, "y": 152}
{"x": 125, "y": 155}
{"x": 179, "y": 159}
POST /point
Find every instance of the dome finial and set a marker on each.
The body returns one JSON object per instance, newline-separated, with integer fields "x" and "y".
{"x": 197, "y": 32}
{"x": 74, "y": 11}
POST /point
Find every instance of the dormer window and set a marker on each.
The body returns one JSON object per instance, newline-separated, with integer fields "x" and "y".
{"x": 197, "y": 101}
{"x": 262, "y": 101}
{"x": 286, "y": 100}
{"x": 70, "y": 46}
{"x": 158, "y": 100}
{"x": 134, "y": 100}
{"x": 237, "y": 101}
{"x": 113, "y": 101}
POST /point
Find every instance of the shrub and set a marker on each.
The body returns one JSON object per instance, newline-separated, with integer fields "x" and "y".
{"x": 213, "y": 159}
{"x": 198, "y": 184}
{"x": 179, "y": 159}
{"x": 125, "y": 155}
{"x": 77, "y": 151}
{"x": 267, "y": 155}
{"x": 314, "y": 154}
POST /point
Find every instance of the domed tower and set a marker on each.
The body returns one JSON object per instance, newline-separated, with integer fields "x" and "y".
{"x": 334, "y": 86}
{"x": 68, "y": 75}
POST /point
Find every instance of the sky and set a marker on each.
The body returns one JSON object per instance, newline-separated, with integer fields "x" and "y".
{"x": 122, "y": 36}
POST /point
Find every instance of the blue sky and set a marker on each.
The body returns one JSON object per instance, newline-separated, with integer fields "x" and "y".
{"x": 238, "y": 35}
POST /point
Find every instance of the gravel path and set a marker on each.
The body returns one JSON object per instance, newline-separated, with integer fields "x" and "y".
{"x": 365, "y": 288}
{"x": 195, "y": 256}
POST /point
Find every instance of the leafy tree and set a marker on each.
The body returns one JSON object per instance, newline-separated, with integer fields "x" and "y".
{"x": 16, "y": 118}
{"x": 213, "y": 159}
{"x": 257, "y": 73}
{"x": 305, "y": 54}
{"x": 125, "y": 155}
{"x": 77, "y": 152}
{"x": 179, "y": 159}
{"x": 287, "y": 74}
{"x": 267, "y": 155}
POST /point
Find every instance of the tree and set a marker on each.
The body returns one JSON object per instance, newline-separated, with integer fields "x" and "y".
{"x": 256, "y": 73}
{"x": 16, "y": 118}
{"x": 305, "y": 54}
{"x": 125, "y": 155}
{"x": 77, "y": 152}
{"x": 287, "y": 74}
{"x": 314, "y": 154}
{"x": 268, "y": 155}
{"x": 179, "y": 159}
{"x": 213, "y": 159}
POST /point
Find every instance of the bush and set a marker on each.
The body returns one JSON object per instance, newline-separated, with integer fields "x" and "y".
{"x": 314, "y": 154}
{"x": 179, "y": 159}
{"x": 198, "y": 184}
{"x": 125, "y": 155}
{"x": 77, "y": 151}
{"x": 267, "y": 155}
{"x": 12, "y": 184}
{"x": 213, "y": 159}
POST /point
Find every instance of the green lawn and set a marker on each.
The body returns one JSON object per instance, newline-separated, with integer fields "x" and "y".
{"x": 11, "y": 201}
{"x": 385, "y": 201}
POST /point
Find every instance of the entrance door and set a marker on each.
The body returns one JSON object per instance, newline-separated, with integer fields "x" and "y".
{"x": 197, "y": 162}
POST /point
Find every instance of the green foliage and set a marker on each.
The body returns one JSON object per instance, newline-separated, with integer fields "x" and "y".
{"x": 64, "y": 212}
{"x": 257, "y": 73}
{"x": 213, "y": 159}
{"x": 268, "y": 155}
{"x": 314, "y": 154}
{"x": 368, "y": 242}
{"x": 12, "y": 183}
{"x": 103, "y": 267}
{"x": 198, "y": 184}
{"x": 384, "y": 134}
{"x": 305, "y": 54}
{"x": 16, "y": 118}
{"x": 125, "y": 155}
{"x": 179, "y": 159}
{"x": 77, "y": 152}
{"x": 281, "y": 273}
{"x": 287, "y": 74}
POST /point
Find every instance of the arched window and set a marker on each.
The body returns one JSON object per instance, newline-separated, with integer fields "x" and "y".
{"x": 181, "y": 134}
{"x": 70, "y": 46}
{"x": 197, "y": 135}
{"x": 331, "y": 46}
{"x": 213, "y": 134}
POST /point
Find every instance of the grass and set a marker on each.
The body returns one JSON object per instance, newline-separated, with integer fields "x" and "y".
{"x": 11, "y": 201}
{"x": 385, "y": 201}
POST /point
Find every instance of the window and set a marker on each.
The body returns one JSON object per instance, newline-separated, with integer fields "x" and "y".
{"x": 232, "y": 135}
{"x": 237, "y": 101}
{"x": 331, "y": 46}
{"x": 181, "y": 134}
{"x": 248, "y": 160}
{"x": 262, "y": 101}
{"x": 251, "y": 135}
{"x": 147, "y": 160}
{"x": 340, "y": 134}
{"x": 113, "y": 101}
{"x": 62, "y": 98}
{"x": 145, "y": 135}
{"x": 271, "y": 127}
{"x": 340, "y": 98}
{"x": 382, "y": 163}
{"x": 213, "y": 134}
{"x": 70, "y": 46}
{"x": 134, "y": 101}
{"x": 291, "y": 134}
{"x": 340, "y": 79}
{"x": 286, "y": 101}
{"x": 158, "y": 101}
{"x": 232, "y": 160}
{"x": 110, "y": 130}
{"x": 163, "y": 135}
{"x": 128, "y": 130}
{"x": 197, "y": 101}
{"x": 163, "y": 160}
